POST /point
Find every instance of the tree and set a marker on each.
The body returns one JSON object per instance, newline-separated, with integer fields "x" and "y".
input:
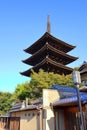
{"x": 43, "y": 79}
{"x": 39, "y": 81}
{"x": 33, "y": 89}
{"x": 5, "y": 102}
{"x": 22, "y": 91}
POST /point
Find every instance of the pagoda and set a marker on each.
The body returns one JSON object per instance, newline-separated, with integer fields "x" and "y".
{"x": 50, "y": 54}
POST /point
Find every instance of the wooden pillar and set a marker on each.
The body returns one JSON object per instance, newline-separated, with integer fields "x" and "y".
{"x": 54, "y": 120}
{"x": 85, "y": 117}
{"x": 40, "y": 119}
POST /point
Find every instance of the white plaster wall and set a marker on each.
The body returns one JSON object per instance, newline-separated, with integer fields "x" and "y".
{"x": 30, "y": 121}
{"x": 49, "y": 96}
{"x": 48, "y": 116}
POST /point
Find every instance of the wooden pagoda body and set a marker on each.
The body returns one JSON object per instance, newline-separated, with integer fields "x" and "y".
{"x": 50, "y": 54}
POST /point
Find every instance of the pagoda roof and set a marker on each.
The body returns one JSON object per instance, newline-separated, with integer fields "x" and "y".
{"x": 47, "y": 49}
{"x": 49, "y": 65}
{"x": 47, "y": 37}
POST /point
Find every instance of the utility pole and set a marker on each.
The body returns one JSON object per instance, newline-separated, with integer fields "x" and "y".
{"x": 77, "y": 80}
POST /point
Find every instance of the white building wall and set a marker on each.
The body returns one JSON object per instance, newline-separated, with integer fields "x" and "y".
{"x": 48, "y": 116}
{"x": 30, "y": 120}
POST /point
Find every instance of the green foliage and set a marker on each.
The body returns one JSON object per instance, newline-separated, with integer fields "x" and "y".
{"x": 76, "y": 68}
{"x": 22, "y": 91}
{"x": 5, "y": 102}
{"x": 33, "y": 89}
{"x": 43, "y": 79}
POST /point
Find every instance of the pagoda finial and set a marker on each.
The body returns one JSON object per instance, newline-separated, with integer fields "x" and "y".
{"x": 48, "y": 24}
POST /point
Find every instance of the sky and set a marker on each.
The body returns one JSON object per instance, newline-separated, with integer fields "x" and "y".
{"x": 22, "y": 22}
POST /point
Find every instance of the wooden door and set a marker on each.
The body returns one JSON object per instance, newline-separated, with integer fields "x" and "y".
{"x": 72, "y": 121}
{"x": 15, "y": 123}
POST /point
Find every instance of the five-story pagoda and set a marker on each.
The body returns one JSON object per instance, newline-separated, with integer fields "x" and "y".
{"x": 50, "y": 54}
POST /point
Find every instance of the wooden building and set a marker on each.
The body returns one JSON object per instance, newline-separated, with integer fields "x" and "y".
{"x": 4, "y": 122}
{"x": 25, "y": 117}
{"x": 83, "y": 73}
{"x": 66, "y": 110}
{"x": 57, "y": 111}
{"x": 50, "y": 54}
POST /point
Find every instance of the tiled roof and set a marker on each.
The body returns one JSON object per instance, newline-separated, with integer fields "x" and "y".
{"x": 29, "y": 107}
{"x": 70, "y": 100}
{"x": 83, "y": 89}
{"x": 16, "y": 106}
{"x": 23, "y": 106}
{"x": 65, "y": 91}
{"x": 70, "y": 95}
{"x": 64, "y": 88}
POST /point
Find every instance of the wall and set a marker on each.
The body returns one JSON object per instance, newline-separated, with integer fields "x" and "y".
{"x": 84, "y": 76}
{"x": 48, "y": 115}
{"x": 29, "y": 120}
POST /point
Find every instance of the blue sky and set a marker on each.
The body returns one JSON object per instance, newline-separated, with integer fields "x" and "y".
{"x": 22, "y": 22}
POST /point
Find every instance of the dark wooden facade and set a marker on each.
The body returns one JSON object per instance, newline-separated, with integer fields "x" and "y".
{"x": 50, "y": 54}
{"x": 83, "y": 73}
{"x": 14, "y": 123}
{"x": 68, "y": 117}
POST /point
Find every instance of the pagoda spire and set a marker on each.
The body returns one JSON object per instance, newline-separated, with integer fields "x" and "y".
{"x": 48, "y": 24}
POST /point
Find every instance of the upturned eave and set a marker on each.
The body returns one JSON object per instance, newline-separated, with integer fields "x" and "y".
{"x": 44, "y": 38}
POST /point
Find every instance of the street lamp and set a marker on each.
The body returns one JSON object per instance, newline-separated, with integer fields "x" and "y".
{"x": 77, "y": 80}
